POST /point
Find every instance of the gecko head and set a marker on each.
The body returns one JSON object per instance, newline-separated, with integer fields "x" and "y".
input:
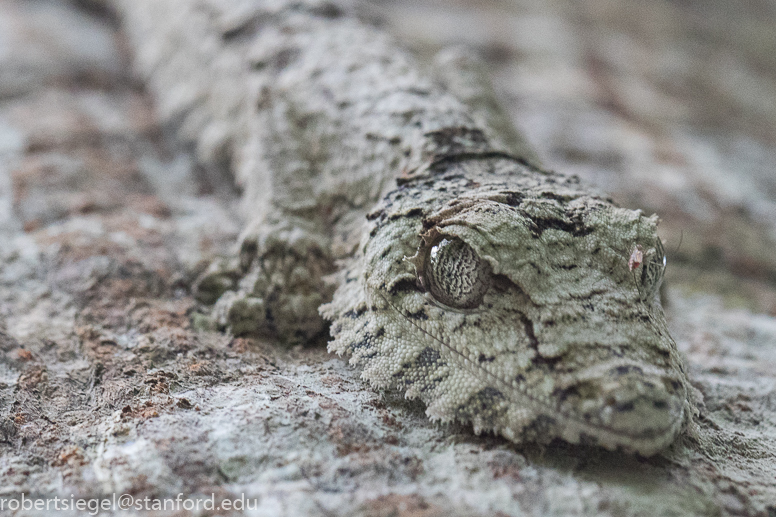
{"x": 536, "y": 317}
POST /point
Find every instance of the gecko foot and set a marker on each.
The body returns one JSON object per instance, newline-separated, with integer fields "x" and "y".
{"x": 275, "y": 286}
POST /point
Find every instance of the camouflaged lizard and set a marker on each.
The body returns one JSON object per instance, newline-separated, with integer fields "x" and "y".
{"x": 448, "y": 262}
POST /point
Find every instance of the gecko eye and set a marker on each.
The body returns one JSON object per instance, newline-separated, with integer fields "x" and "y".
{"x": 652, "y": 272}
{"x": 456, "y": 275}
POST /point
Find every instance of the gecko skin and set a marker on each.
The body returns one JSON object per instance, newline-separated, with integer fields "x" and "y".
{"x": 447, "y": 262}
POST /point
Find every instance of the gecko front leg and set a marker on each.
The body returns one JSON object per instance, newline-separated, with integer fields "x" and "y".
{"x": 286, "y": 262}
{"x": 276, "y": 284}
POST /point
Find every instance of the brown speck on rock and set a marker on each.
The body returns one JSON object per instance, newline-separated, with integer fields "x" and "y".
{"x": 402, "y": 506}
{"x": 23, "y": 355}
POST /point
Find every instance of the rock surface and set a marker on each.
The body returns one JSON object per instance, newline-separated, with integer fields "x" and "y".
{"x": 105, "y": 221}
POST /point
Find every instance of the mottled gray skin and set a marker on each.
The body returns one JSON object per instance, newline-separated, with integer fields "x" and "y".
{"x": 497, "y": 292}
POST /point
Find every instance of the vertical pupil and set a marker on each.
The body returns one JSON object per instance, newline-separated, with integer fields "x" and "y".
{"x": 457, "y": 276}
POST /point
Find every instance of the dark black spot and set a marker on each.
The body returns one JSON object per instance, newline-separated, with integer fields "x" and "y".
{"x": 529, "y": 330}
{"x": 586, "y": 439}
{"x": 485, "y": 359}
{"x": 427, "y": 357}
{"x": 548, "y": 194}
{"x": 433, "y": 383}
{"x": 484, "y": 404}
{"x": 514, "y": 198}
{"x": 371, "y": 216}
{"x": 626, "y": 369}
{"x": 490, "y": 394}
{"x": 412, "y": 213}
{"x": 248, "y": 251}
{"x": 284, "y": 57}
{"x": 404, "y": 285}
{"x": 659, "y": 404}
{"x": 541, "y": 429}
{"x": 420, "y": 92}
{"x": 624, "y": 407}
{"x": 242, "y": 30}
{"x": 563, "y": 394}
{"x": 366, "y": 343}
{"x": 576, "y": 228}
{"x": 420, "y": 315}
{"x": 327, "y": 10}
{"x": 354, "y": 314}
{"x": 548, "y": 362}
{"x": 454, "y": 140}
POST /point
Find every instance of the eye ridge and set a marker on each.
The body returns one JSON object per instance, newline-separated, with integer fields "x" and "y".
{"x": 455, "y": 274}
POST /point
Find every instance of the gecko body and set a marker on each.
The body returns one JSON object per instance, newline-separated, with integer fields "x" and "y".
{"x": 402, "y": 209}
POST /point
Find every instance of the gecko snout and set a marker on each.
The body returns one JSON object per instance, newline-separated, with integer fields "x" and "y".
{"x": 638, "y": 411}
{"x": 640, "y": 405}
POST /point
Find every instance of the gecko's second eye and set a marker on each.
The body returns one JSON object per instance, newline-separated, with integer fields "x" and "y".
{"x": 652, "y": 272}
{"x": 456, "y": 275}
